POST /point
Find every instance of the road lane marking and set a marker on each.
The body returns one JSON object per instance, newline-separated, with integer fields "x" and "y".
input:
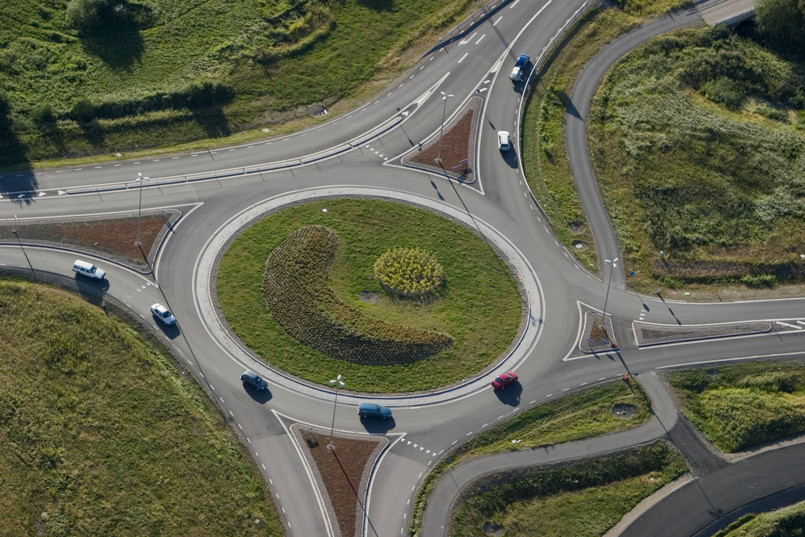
{"x": 464, "y": 56}
{"x": 480, "y": 39}
{"x": 514, "y": 4}
{"x": 497, "y": 21}
{"x": 789, "y": 325}
{"x": 465, "y": 41}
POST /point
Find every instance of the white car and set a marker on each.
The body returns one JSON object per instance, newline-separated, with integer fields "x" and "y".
{"x": 504, "y": 141}
{"x": 520, "y": 67}
{"x": 163, "y": 314}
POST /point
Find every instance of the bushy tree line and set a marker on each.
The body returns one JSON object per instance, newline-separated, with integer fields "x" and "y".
{"x": 783, "y": 23}
{"x": 97, "y": 16}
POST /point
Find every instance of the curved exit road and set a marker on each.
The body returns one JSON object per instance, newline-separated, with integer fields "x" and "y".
{"x": 360, "y": 154}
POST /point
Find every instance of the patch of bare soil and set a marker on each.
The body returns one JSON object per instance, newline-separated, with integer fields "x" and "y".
{"x": 344, "y": 474}
{"x": 457, "y": 146}
{"x": 597, "y": 337}
{"x": 108, "y": 237}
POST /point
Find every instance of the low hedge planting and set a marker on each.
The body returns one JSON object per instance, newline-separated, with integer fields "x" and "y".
{"x": 479, "y": 304}
{"x": 297, "y": 293}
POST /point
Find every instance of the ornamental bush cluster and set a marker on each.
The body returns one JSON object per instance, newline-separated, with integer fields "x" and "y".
{"x": 299, "y": 297}
{"x": 408, "y": 272}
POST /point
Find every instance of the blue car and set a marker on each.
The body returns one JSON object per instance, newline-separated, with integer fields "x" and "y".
{"x": 371, "y": 410}
{"x": 250, "y": 378}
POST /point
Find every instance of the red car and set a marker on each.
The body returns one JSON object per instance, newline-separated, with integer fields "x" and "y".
{"x": 504, "y": 380}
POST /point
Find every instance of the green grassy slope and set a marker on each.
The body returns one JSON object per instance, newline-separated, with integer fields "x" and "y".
{"x": 101, "y": 435}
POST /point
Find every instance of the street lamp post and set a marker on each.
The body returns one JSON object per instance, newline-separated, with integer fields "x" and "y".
{"x": 614, "y": 263}
{"x": 14, "y": 231}
{"x": 141, "y": 180}
{"x": 338, "y": 383}
{"x": 441, "y": 130}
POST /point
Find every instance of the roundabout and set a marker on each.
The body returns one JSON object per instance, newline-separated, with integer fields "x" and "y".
{"x": 527, "y": 334}
{"x": 233, "y": 188}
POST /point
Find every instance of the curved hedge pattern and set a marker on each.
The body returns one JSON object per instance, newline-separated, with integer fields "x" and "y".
{"x": 297, "y": 293}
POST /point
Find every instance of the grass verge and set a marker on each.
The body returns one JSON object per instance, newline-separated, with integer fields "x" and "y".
{"x": 786, "y": 522}
{"x": 101, "y": 434}
{"x": 697, "y": 151}
{"x": 583, "y": 498}
{"x": 584, "y": 415}
{"x": 478, "y": 288}
{"x": 743, "y": 406}
{"x": 543, "y": 132}
{"x": 195, "y": 69}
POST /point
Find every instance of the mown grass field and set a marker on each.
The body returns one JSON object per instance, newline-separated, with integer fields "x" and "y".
{"x": 141, "y": 82}
{"x": 543, "y": 132}
{"x": 100, "y": 434}
{"x": 698, "y": 142}
{"x": 584, "y": 415}
{"x": 479, "y": 304}
{"x": 583, "y": 499}
{"x": 786, "y": 522}
{"x": 743, "y": 406}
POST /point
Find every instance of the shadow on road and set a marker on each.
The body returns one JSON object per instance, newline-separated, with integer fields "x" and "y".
{"x": 510, "y": 158}
{"x": 92, "y": 291}
{"x": 374, "y": 426}
{"x": 171, "y": 332}
{"x": 260, "y": 396}
{"x": 510, "y": 395}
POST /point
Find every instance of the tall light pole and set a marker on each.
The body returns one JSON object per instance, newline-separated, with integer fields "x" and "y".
{"x": 441, "y": 130}
{"x": 338, "y": 384}
{"x": 14, "y": 231}
{"x": 614, "y": 263}
{"x": 141, "y": 180}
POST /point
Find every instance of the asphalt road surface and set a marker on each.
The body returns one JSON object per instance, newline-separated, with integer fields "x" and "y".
{"x": 360, "y": 153}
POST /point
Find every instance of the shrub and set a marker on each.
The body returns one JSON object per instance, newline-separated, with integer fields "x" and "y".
{"x": 82, "y": 111}
{"x": 408, "y": 272}
{"x": 759, "y": 281}
{"x": 94, "y": 16}
{"x": 724, "y": 91}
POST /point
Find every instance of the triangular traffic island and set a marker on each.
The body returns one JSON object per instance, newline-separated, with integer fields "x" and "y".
{"x": 596, "y": 333}
{"x": 342, "y": 473}
{"x": 457, "y": 154}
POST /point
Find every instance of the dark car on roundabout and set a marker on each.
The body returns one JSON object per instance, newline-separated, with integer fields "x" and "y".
{"x": 252, "y": 379}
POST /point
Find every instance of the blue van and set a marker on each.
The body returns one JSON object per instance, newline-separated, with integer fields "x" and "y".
{"x": 371, "y": 410}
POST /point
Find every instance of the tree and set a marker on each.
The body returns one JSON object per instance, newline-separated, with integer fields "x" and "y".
{"x": 93, "y": 16}
{"x": 783, "y": 23}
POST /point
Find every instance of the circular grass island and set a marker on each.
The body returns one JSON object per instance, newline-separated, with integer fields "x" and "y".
{"x": 308, "y": 270}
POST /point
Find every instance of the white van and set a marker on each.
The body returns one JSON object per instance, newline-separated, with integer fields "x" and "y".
{"x": 88, "y": 269}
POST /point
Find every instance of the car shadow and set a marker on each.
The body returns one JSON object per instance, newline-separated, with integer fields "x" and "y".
{"x": 378, "y": 426}
{"x": 510, "y": 158}
{"x": 93, "y": 291}
{"x": 260, "y": 396}
{"x": 171, "y": 332}
{"x": 510, "y": 395}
